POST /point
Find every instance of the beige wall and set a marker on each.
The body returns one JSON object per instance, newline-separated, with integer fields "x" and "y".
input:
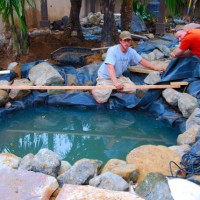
{"x": 56, "y": 10}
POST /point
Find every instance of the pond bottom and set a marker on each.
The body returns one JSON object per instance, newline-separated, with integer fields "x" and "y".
{"x": 75, "y": 133}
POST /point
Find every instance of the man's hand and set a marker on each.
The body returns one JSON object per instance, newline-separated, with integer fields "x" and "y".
{"x": 119, "y": 86}
{"x": 160, "y": 69}
{"x": 148, "y": 64}
{"x": 172, "y": 54}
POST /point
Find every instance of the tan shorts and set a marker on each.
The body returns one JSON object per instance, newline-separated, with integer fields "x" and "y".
{"x": 102, "y": 96}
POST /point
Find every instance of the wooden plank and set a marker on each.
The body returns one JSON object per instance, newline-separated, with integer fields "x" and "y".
{"x": 139, "y": 37}
{"x": 20, "y": 87}
{"x": 140, "y": 70}
{"x": 179, "y": 83}
{"x": 100, "y": 48}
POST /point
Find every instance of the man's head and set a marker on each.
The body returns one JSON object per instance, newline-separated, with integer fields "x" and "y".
{"x": 180, "y": 34}
{"x": 125, "y": 35}
{"x": 125, "y": 40}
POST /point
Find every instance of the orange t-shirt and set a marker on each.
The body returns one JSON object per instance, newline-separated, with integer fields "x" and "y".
{"x": 191, "y": 41}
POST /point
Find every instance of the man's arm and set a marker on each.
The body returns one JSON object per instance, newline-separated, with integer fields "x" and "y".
{"x": 180, "y": 53}
{"x": 111, "y": 71}
{"x": 147, "y": 64}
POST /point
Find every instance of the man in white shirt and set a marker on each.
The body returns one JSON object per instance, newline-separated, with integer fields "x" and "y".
{"x": 119, "y": 57}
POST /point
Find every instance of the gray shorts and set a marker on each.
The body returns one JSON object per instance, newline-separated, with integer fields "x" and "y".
{"x": 102, "y": 96}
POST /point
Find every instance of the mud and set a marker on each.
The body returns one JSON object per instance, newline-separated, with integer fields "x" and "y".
{"x": 40, "y": 47}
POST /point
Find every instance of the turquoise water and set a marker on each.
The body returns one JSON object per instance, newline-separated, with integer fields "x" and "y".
{"x": 75, "y": 133}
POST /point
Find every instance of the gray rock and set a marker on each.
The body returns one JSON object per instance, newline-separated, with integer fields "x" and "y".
{"x": 8, "y": 160}
{"x": 4, "y": 82}
{"x": 153, "y": 78}
{"x": 187, "y": 104}
{"x": 164, "y": 49}
{"x": 155, "y": 186}
{"x": 189, "y": 136}
{"x": 171, "y": 96}
{"x": 19, "y": 94}
{"x": 47, "y": 162}
{"x": 154, "y": 55}
{"x": 109, "y": 181}
{"x": 64, "y": 167}
{"x": 86, "y": 192}
{"x": 181, "y": 149}
{"x": 26, "y": 162}
{"x": 80, "y": 173}
{"x": 194, "y": 119}
{"x": 45, "y": 74}
{"x": 26, "y": 185}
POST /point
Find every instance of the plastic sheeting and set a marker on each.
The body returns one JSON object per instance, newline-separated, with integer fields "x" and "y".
{"x": 148, "y": 46}
{"x": 8, "y": 77}
{"x": 184, "y": 69}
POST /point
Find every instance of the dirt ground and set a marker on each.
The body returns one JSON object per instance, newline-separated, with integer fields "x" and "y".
{"x": 43, "y": 45}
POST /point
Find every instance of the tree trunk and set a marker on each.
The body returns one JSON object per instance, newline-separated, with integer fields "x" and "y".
{"x": 109, "y": 35}
{"x": 126, "y": 15}
{"x": 74, "y": 21}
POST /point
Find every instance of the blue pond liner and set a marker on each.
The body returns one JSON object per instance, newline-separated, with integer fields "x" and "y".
{"x": 71, "y": 55}
{"x": 148, "y": 46}
{"x": 8, "y": 77}
{"x": 184, "y": 69}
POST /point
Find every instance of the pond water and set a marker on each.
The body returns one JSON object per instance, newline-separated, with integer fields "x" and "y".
{"x": 75, "y": 133}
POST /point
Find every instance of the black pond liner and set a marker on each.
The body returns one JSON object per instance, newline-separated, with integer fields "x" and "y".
{"x": 71, "y": 55}
{"x": 184, "y": 69}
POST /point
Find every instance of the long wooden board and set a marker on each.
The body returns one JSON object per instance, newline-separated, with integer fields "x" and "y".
{"x": 140, "y": 70}
{"x": 17, "y": 87}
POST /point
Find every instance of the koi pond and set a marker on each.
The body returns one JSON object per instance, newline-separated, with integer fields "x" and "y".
{"x": 75, "y": 133}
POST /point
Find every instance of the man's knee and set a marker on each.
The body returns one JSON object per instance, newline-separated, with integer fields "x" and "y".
{"x": 100, "y": 98}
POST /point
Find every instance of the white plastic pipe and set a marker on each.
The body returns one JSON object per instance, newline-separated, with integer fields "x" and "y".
{"x": 4, "y": 72}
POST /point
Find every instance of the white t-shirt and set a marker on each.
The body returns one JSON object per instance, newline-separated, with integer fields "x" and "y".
{"x": 121, "y": 61}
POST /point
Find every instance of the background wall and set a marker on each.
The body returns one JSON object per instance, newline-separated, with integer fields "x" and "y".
{"x": 57, "y": 10}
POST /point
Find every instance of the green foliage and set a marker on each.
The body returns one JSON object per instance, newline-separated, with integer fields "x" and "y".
{"x": 10, "y": 7}
{"x": 174, "y": 8}
{"x": 140, "y": 9}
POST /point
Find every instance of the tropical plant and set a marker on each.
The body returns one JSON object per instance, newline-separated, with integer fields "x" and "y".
{"x": 174, "y": 8}
{"x": 8, "y": 9}
{"x": 140, "y": 9}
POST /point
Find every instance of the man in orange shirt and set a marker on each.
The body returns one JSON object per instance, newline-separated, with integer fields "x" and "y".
{"x": 190, "y": 43}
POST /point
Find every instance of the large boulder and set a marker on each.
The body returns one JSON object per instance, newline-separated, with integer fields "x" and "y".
{"x": 90, "y": 193}
{"x": 22, "y": 184}
{"x": 150, "y": 158}
{"x": 19, "y": 94}
{"x": 45, "y": 74}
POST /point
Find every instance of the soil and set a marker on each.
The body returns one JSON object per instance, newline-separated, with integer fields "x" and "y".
{"x": 42, "y": 46}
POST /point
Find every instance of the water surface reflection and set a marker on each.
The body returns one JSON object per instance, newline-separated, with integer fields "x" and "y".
{"x": 79, "y": 133}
